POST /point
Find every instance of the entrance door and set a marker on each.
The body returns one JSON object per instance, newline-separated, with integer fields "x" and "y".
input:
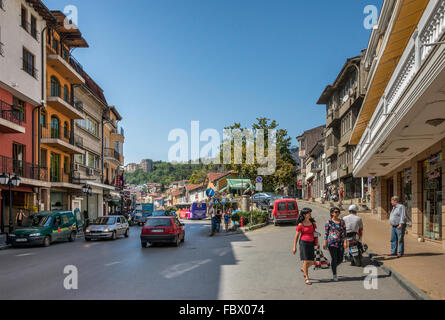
{"x": 432, "y": 197}
{"x": 390, "y": 185}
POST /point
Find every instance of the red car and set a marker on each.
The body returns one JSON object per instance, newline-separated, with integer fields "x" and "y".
{"x": 285, "y": 210}
{"x": 162, "y": 229}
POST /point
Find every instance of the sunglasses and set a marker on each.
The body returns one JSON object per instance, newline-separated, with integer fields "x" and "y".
{"x": 336, "y": 211}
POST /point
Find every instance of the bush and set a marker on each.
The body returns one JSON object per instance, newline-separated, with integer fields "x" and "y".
{"x": 257, "y": 217}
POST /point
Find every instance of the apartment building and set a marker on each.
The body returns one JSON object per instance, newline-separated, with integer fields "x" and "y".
{"x": 307, "y": 142}
{"x": 21, "y": 83}
{"x": 315, "y": 171}
{"x": 400, "y": 132}
{"x": 343, "y": 100}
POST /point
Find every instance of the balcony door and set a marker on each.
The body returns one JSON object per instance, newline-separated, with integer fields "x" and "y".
{"x": 18, "y": 158}
{"x": 55, "y": 167}
{"x": 55, "y": 128}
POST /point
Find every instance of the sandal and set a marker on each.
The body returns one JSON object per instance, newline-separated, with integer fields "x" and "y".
{"x": 308, "y": 282}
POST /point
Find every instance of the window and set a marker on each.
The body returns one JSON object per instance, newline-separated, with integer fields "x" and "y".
{"x": 18, "y": 157}
{"x": 55, "y": 133}
{"x": 66, "y": 55}
{"x": 33, "y": 27}
{"x": 79, "y": 158}
{"x": 65, "y": 93}
{"x": 291, "y": 206}
{"x": 281, "y": 206}
{"x": 43, "y": 158}
{"x": 65, "y": 220}
{"x": 28, "y": 63}
{"x": 43, "y": 119}
{"x": 24, "y": 15}
{"x": 92, "y": 126}
{"x": 66, "y": 130}
{"x": 55, "y": 45}
{"x": 55, "y": 87}
{"x": 93, "y": 161}
{"x": 66, "y": 165}
{"x": 19, "y": 106}
{"x": 55, "y": 167}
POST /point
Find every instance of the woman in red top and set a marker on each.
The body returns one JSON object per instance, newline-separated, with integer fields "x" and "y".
{"x": 305, "y": 232}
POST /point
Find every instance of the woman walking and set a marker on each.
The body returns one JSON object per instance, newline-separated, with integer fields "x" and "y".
{"x": 335, "y": 240}
{"x": 305, "y": 233}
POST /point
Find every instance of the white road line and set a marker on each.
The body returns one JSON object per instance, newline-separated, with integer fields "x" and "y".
{"x": 112, "y": 263}
{"x": 25, "y": 254}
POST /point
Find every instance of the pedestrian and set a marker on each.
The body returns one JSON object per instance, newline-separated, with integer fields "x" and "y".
{"x": 20, "y": 216}
{"x": 335, "y": 240}
{"x": 226, "y": 220}
{"x": 218, "y": 220}
{"x": 305, "y": 233}
{"x": 397, "y": 219}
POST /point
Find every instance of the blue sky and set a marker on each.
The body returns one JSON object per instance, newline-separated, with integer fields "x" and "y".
{"x": 164, "y": 63}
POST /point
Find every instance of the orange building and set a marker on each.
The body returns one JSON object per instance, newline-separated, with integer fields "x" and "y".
{"x": 57, "y": 146}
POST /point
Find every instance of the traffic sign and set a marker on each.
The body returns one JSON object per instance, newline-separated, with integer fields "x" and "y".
{"x": 259, "y": 179}
{"x": 224, "y": 201}
{"x": 259, "y": 187}
{"x": 210, "y": 192}
{"x": 216, "y": 202}
{"x": 224, "y": 194}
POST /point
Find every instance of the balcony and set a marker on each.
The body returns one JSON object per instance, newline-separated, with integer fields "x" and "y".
{"x": 57, "y": 139}
{"x": 410, "y": 100}
{"x": 10, "y": 119}
{"x": 112, "y": 154}
{"x": 118, "y": 135}
{"x": 316, "y": 167}
{"x": 344, "y": 141}
{"x": 332, "y": 118}
{"x": 23, "y": 169}
{"x": 63, "y": 67}
{"x": 331, "y": 151}
{"x": 64, "y": 107}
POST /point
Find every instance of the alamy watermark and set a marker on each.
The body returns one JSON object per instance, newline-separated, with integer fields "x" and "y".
{"x": 71, "y": 281}
{"x": 259, "y": 147}
{"x": 371, "y": 18}
{"x": 371, "y": 281}
{"x": 72, "y": 17}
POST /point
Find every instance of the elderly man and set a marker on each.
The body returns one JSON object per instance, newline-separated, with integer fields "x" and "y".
{"x": 397, "y": 219}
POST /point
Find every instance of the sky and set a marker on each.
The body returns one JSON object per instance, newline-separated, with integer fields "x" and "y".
{"x": 165, "y": 63}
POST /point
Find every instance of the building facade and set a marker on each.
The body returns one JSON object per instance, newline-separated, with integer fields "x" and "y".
{"x": 343, "y": 100}
{"x": 400, "y": 133}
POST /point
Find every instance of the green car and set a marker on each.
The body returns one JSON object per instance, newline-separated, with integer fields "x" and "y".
{"x": 46, "y": 227}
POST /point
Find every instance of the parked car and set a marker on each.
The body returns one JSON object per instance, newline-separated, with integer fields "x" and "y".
{"x": 108, "y": 228}
{"x": 45, "y": 228}
{"x": 285, "y": 210}
{"x": 271, "y": 201}
{"x": 261, "y": 199}
{"x": 162, "y": 229}
{"x": 141, "y": 217}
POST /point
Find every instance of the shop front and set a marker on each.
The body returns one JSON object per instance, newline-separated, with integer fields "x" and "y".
{"x": 406, "y": 195}
{"x": 23, "y": 199}
{"x": 58, "y": 200}
{"x": 432, "y": 197}
{"x": 352, "y": 188}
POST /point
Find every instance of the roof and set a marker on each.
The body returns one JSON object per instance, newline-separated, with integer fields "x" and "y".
{"x": 71, "y": 36}
{"x": 44, "y": 12}
{"x": 116, "y": 113}
{"x": 238, "y": 183}
{"x": 177, "y": 192}
{"x": 213, "y": 176}
{"x": 93, "y": 86}
{"x": 191, "y": 187}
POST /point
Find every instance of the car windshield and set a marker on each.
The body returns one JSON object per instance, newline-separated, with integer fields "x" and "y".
{"x": 160, "y": 213}
{"x": 158, "y": 223}
{"x": 37, "y": 221}
{"x": 105, "y": 221}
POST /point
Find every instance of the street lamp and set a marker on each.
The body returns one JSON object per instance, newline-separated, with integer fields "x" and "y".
{"x": 6, "y": 180}
{"x": 88, "y": 192}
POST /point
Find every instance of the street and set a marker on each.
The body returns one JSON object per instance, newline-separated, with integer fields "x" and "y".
{"x": 255, "y": 265}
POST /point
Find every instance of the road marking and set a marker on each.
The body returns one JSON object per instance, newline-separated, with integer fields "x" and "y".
{"x": 182, "y": 268}
{"x": 112, "y": 263}
{"x": 25, "y": 254}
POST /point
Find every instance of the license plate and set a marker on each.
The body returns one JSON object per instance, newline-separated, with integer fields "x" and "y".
{"x": 21, "y": 240}
{"x": 157, "y": 230}
{"x": 354, "y": 249}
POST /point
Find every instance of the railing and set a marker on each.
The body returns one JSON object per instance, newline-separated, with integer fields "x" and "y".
{"x": 29, "y": 68}
{"x": 431, "y": 28}
{"x": 78, "y": 141}
{"x": 23, "y": 169}
{"x": 59, "y": 175}
{"x": 8, "y": 112}
{"x": 316, "y": 167}
{"x": 58, "y": 133}
{"x": 111, "y": 153}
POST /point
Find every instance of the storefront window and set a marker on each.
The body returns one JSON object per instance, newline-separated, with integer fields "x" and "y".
{"x": 407, "y": 191}
{"x": 432, "y": 197}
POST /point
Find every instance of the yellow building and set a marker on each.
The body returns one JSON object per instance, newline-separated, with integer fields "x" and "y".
{"x": 57, "y": 143}
{"x": 113, "y": 157}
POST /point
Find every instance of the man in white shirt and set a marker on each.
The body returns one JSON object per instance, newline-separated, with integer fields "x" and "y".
{"x": 354, "y": 223}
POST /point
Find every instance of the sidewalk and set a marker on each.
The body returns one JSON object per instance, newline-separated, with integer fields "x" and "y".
{"x": 423, "y": 264}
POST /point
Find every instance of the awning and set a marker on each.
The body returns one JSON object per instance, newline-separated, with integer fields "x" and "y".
{"x": 99, "y": 185}
{"x": 238, "y": 184}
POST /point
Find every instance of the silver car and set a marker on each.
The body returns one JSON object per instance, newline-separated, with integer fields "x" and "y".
{"x": 108, "y": 228}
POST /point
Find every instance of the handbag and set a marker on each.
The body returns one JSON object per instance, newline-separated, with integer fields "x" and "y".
{"x": 320, "y": 262}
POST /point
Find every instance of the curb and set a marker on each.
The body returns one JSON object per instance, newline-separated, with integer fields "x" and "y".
{"x": 413, "y": 290}
{"x": 257, "y": 226}
{"x": 4, "y": 247}
{"x": 241, "y": 230}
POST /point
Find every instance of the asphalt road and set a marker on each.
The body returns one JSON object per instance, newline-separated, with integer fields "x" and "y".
{"x": 255, "y": 265}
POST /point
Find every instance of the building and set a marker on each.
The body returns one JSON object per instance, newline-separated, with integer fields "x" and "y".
{"x": 56, "y": 125}
{"x": 195, "y": 193}
{"x": 218, "y": 180}
{"x": 113, "y": 159}
{"x": 131, "y": 167}
{"x": 315, "y": 171}
{"x": 147, "y": 165}
{"x": 343, "y": 100}
{"x": 22, "y": 78}
{"x": 307, "y": 142}
{"x": 400, "y": 131}
{"x": 89, "y": 98}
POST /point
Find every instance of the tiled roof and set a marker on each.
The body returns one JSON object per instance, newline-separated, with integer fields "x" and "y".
{"x": 213, "y": 176}
{"x": 191, "y": 187}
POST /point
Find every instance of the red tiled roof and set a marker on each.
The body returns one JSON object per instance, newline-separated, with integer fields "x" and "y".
{"x": 177, "y": 192}
{"x": 213, "y": 176}
{"x": 191, "y": 187}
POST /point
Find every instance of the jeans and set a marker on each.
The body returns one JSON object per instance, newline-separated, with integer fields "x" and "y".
{"x": 397, "y": 239}
{"x": 337, "y": 255}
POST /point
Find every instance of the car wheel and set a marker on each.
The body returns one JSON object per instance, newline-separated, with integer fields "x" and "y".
{"x": 177, "y": 242}
{"x": 46, "y": 241}
{"x": 72, "y": 237}
{"x": 143, "y": 244}
{"x": 113, "y": 236}
{"x": 127, "y": 233}
{"x": 87, "y": 239}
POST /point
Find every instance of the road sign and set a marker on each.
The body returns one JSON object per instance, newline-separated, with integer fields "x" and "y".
{"x": 224, "y": 201}
{"x": 259, "y": 187}
{"x": 210, "y": 192}
{"x": 259, "y": 179}
{"x": 224, "y": 194}
{"x": 216, "y": 202}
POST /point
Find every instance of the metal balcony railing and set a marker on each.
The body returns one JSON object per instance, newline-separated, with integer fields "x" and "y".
{"x": 8, "y": 112}
{"x": 23, "y": 169}
{"x": 111, "y": 153}
{"x": 59, "y": 175}
{"x": 58, "y": 133}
